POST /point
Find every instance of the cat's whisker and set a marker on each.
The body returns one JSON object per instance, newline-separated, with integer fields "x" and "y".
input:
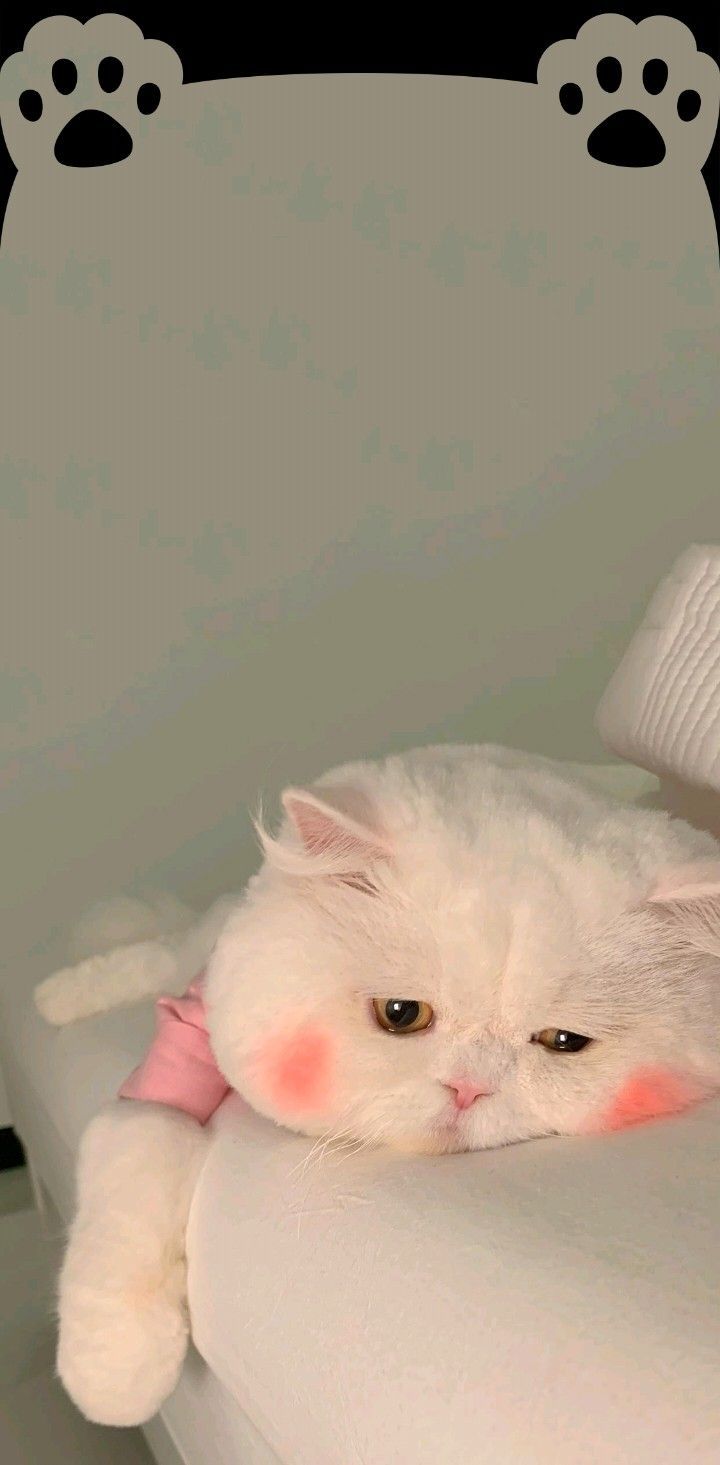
{"x": 351, "y": 1150}
{"x": 356, "y": 1144}
{"x": 335, "y": 1141}
{"x": 303, "y": 1164}
{"x": 318, "y": 1149}
{"x": 347, "y": 1148}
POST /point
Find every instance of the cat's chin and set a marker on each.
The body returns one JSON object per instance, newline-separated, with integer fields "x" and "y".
{"x": 446, "y": 1141}
{"x": 417, "y": 1144}
{"x": 455, "y": 1138}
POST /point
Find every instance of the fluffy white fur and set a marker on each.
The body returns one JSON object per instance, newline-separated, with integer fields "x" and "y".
{"x": 127, "y": 966}
{"x": 509, "y": 896}
{"x": 124, "y": 918}
{"x": 122, "y": 1289}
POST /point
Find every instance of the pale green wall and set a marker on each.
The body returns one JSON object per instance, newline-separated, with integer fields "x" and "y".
{"x": 350, "y": 413}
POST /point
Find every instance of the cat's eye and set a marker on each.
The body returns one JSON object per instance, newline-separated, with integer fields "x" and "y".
{"x": 402, "y": 1015}
{"x": 559, "y": 1040}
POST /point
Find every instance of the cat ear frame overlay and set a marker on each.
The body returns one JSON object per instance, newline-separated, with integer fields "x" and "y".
{"x": 635, "y": 96}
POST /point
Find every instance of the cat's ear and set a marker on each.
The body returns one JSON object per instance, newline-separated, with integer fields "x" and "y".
{"x": 340, "y": 835}
{"x": 689, "y": 898}
{"x": 335, "y": 821}
{"x": 688, "y": 884}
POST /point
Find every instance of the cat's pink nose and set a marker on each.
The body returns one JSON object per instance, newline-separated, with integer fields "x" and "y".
{"x": 465, "y": 1092}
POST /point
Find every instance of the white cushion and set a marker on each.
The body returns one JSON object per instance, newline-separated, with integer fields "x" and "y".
{"x": 555, "y": 1301}
{"x": 545, "y": 1302}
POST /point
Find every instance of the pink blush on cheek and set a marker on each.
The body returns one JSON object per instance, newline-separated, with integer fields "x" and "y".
{"x": 647, "y": 1094}
{"x": 295, "y": 1070}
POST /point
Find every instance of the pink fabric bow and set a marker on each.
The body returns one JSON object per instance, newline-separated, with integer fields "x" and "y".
{"x": 179, "y": 1068}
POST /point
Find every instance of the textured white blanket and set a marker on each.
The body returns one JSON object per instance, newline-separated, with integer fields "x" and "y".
{"x": 661, "y": 709}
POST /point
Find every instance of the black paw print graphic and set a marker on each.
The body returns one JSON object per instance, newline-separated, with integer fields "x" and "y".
{"x": 91, "y": 139}
{"x": 640, "y": 93}
{"x": 627, "y": 138}
{"x": 77, "y": 93}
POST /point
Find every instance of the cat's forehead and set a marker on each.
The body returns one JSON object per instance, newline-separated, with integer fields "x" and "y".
{"x": 513, "y": 868}
{"x": 490, "y": 935}
{"x": 498, "y": 946}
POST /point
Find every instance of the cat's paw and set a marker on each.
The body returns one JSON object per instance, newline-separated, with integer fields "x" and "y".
{"x": 636, "y": 95}
{"x": 121, "y": 1349}
{"x": 80, "y": 95}
{"x": 122, "y": 1290}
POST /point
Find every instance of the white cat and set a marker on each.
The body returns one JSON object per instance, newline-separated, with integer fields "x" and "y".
{"x": 456, "y": 948}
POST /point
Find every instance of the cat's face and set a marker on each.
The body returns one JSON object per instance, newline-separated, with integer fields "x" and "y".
{"x": 441, "y": 979}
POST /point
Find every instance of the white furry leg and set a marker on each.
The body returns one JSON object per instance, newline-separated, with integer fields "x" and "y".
{"x": 122, "y": 1287}
{"x": 133, "y": 970}
{"x": 114, "y": 979}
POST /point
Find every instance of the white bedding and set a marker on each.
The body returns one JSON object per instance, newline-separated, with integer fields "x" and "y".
{"x": 550, "y": 1302}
